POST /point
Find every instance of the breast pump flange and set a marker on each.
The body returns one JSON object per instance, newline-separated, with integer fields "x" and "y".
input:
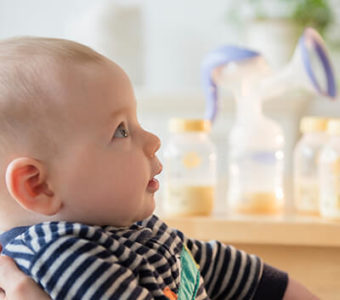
{"x": 300, "y": 72}
{"x": 256, "y": 155}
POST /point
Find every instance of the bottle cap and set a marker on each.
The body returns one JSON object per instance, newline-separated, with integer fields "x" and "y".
{"x": 333, "y": 127}
{"x": 313, "y": 124}
{"x": 187, "y": 125}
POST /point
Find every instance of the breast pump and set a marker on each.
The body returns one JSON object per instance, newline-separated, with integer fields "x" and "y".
{"x": 256, "y": 142}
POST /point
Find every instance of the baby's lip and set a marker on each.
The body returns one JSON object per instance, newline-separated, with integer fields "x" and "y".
{"x": 159, "y": 170}
{"x": 153, "y": 185}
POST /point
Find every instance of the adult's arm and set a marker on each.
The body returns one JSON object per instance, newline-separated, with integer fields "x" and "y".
{"x": 296, "y": 291}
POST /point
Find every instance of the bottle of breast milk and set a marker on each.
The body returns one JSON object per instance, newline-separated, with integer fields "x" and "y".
{"x": 189, "y": 169}
{"x": 306, "y": 156}
{"x": 256, "y": 161}
{"x": 329, "y": 173}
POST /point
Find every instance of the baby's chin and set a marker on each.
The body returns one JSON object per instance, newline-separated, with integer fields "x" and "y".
{"x": 141, "y": 217}
{"x": 147, "y": 213}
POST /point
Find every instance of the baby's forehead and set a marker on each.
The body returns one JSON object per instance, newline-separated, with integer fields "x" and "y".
{"x": 92, "y": 86}
{"x": 105, "y": 71}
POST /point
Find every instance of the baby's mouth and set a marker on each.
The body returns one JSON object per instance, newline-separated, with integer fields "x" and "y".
{"x": 153, "y": 185}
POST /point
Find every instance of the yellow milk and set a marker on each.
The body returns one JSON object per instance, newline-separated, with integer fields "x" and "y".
{"x": 259, "y": 203}
{"x": 189, "y": 200}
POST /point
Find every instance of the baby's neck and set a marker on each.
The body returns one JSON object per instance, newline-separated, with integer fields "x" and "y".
{"x": 11, "y": 220}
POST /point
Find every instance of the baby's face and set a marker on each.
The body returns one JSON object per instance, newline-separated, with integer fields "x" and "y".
{"x": 105, "y": 174}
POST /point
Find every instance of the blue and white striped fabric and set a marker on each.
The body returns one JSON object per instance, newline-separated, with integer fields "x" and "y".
{"x": 77, "y": 261}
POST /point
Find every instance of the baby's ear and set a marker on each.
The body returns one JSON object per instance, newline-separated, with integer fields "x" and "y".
{"x": 27, "y": 183}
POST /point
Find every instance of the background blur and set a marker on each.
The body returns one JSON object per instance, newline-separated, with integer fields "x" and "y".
{"x": 161, "y": 44}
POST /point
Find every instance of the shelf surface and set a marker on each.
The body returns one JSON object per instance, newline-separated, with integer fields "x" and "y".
{"x": 299, "y": 231}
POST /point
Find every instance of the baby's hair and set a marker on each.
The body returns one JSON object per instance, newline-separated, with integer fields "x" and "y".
{"x": 25, "y": 47}
{"x": 28, "y": 68}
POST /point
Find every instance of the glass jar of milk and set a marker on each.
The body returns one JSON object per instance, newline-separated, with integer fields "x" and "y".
{"x": 189, "y": 169}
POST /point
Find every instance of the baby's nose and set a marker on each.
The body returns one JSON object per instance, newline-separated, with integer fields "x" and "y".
{"x": 152, "y": 144}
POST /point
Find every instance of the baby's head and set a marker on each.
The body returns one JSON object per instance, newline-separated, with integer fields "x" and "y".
{"x": 71, "y": 147}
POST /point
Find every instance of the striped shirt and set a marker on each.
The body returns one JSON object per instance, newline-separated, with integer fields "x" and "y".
{"x": 77, "y": 261}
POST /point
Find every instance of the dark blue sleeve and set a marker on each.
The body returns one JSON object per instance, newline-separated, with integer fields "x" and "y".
{"x": 272, "y": 285}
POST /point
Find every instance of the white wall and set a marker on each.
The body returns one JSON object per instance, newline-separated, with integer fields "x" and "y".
{"x": 38, "y": 17}
{"x": 160, "y": 43}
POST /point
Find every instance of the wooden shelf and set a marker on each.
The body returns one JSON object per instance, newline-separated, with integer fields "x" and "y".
{"x": 300, "y": 231}
{"x": 308, "y": 248}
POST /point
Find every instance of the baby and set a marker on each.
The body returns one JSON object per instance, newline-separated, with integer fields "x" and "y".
{"x": 77, "y": 190}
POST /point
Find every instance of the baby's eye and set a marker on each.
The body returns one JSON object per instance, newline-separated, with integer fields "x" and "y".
{"x": 121, "y": 132}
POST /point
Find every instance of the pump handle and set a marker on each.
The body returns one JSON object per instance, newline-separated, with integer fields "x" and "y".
{"x": 311, "y": 40}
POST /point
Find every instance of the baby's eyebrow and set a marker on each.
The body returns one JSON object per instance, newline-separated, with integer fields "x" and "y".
{"x": 118, "y": 112}
{"x": 123, "y": 110}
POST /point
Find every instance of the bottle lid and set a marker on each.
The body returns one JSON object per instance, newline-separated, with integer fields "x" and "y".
{"x": 187, "y": 125}
{"x": 313, "y": 124}
{"x": 333, "y": 127}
